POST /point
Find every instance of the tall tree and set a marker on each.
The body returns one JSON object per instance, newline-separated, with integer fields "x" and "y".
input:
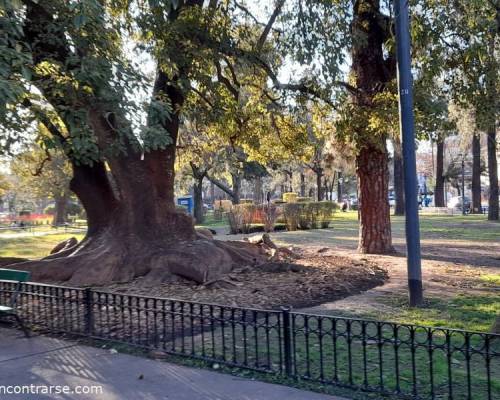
{"x": 124, "y": 179}
{"x": 471, "y": 40}
{"x": 371, "y": 71}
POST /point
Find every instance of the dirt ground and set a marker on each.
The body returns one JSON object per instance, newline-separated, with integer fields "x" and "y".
{"x": 313, "y": 279}
{"x": 453, "y": 263}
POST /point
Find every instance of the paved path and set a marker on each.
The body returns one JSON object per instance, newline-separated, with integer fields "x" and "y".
{"x": 48, "y": 361}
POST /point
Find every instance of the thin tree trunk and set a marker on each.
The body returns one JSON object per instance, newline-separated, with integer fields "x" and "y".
{"x": 60, "y": 210}
{"x": 399, "y": 194}
{"x": 302, "y": 185}
{"x": 212, "y": 192}
{"x": 439, "y": 200}
{"x": 319, "y": 184}
{"x": 236, "y": 183}
{"x": 476, "y": 174}
{"x": 198, "y": 213}
{"x": 257, "y": 195}
{"x": 339, "y": 187}
{"x": 493, "y": 212}
{"x": 491, "y": 87}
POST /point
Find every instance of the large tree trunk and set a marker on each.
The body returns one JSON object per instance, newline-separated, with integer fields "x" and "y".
{"x": 60, "y": 210}
{"x": 476, "y": 174}
{"x": 371, "y": 72}
{"x": 375, "y": 223}
{"x": 93, "y": 188}
{"x": 439, "y": 200}
{"x": 399, "y": 193}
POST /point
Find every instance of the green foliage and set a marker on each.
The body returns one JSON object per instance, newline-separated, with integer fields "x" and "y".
{"x": 312, "y": 215}
{"x": 71, "y": 209}
{"x": 41, "y": 174}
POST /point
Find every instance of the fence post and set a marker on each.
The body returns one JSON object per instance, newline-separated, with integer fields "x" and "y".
{"x": 287, "y": 339}
{"x": 88, "y": 308}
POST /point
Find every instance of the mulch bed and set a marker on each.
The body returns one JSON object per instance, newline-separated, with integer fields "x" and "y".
{"x": 314, "y": 278}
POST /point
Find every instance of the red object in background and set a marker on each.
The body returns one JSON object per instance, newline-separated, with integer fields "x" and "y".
{"x": 31, "y": 218}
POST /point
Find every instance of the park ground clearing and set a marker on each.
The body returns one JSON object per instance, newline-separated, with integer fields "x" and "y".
{"x": 461, "y": 269}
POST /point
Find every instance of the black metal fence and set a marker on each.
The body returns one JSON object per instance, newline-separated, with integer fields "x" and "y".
{"x": 409, "y": 361}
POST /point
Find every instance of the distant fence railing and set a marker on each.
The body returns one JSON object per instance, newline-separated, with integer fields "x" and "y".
{"x": 44, "y": 228}
{"x": 395, "y": 359}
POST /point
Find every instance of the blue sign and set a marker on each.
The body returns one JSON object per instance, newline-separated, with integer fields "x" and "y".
{"x": 186, "y": 202}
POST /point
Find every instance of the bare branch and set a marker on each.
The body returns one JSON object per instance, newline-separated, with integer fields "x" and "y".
{"x": 267, "y": 29}
{"x": 220, "y": 185}
{"x": 222, "y": 79}
{"x": 202, "y": 96}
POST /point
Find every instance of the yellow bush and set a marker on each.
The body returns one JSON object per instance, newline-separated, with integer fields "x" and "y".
{"x": 223, "y": 205}
{"x": 290, "y": 197}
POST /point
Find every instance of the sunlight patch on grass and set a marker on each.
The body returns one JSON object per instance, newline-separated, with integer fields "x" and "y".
{"x": 33, "y": 246}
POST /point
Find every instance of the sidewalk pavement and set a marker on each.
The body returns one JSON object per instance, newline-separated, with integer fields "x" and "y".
{"x": 45, "y": 361}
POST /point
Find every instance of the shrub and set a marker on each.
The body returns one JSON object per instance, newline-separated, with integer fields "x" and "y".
{"x": 326, "y": 211}
{"x": 269, "y": 214}
{"x": 290, "y": 197}
{"x": 304, "y": 199}
{"x": 240, "y": 218}
{"x": 292, "y": 213}
{"x": 305, "y": 216}
{"x": 311, "y": 215}
{"x": 223, "y": 205}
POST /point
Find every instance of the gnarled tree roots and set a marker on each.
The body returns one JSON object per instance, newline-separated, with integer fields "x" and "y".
{"x": 107, "y": 257}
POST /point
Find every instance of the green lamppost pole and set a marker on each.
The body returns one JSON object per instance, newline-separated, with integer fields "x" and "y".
{"x": 407, "y": 126}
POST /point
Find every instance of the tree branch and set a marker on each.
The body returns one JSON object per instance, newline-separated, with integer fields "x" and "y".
{"x": 220, "y": 185}
{"x": 267, "y": 29}
{"x": 202, "y": 96}
{"x": 222, "y": 79}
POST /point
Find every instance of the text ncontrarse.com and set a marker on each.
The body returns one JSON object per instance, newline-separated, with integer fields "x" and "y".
{"x": 50, "y": 389}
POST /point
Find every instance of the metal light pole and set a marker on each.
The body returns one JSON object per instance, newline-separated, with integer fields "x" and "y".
{"x": 406, "y": 120}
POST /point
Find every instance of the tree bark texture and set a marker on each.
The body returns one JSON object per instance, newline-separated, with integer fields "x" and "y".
{"x": 373, "y": 174}
{"x": 319, "y": 183}
{"x": 399, "y": 193}
{"x": 439, "y": 188}
{"x": 476, "y": 174}
{"x": 60, "y": 212}
{"x": 302, "y": 185}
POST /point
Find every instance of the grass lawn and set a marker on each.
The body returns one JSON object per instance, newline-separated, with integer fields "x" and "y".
{"x": 33, "y": 246}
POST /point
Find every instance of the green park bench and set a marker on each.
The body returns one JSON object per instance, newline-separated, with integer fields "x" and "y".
{"x": 9, "y": 310}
